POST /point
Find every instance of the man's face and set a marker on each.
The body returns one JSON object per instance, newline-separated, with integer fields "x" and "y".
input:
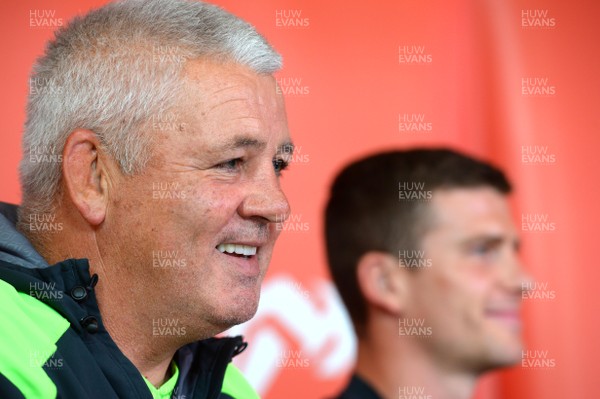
{"x": 211, "y": 187}
{"x": 471, "y": 294}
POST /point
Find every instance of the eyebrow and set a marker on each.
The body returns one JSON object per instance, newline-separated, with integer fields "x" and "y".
{"x": 243, "y": 142}
{"x": 250, "y": 142}
{"x": 494, "y": 239}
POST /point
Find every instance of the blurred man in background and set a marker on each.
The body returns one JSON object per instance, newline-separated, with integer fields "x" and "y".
{"x": 153, "y": 146}
{"x": 424, "y": 253}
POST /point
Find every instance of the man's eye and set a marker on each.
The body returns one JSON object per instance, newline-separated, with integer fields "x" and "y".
{"x": 232, "y": 164}
{"x": 481, "y": 249}
{"x": 279, "y": 165}
{"x": 487, "y": 250}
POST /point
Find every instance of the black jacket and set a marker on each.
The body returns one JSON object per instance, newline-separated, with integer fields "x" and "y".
{"x": 358, "y": 388}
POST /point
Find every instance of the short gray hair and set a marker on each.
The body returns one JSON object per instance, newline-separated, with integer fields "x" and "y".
{"x": 113, "y": 69}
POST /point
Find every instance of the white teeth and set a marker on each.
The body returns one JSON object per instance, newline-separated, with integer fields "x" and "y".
{"x": 239, "y": 249}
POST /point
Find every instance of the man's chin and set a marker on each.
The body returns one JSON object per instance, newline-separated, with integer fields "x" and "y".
{"x": 241, "y": 311}
{"x": 505, "y": 345}
{"x": 506, "y": 355}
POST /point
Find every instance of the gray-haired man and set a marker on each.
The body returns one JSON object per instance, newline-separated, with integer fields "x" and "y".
{"x": 154, "y": 142}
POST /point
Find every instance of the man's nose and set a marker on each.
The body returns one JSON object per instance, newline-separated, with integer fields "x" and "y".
{"x": 266, "y": 200}
{"x": 517, "y": 279}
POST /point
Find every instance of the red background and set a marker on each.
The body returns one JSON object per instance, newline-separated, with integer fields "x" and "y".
{"x": 346, "y": 62}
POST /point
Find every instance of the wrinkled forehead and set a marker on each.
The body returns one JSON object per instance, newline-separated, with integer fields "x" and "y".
{"x": 214, "y": 89}
{"x": 219, "y": 102}
{"x": 220, "y": 80}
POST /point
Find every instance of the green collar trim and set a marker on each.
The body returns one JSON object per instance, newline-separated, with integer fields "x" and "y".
{"x": 166, "y": 389}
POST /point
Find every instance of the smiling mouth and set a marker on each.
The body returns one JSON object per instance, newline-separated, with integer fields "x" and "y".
{"x": 508, "y": 317}
{"x": 237, "y": 250}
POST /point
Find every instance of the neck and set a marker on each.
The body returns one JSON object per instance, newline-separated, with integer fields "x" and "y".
{"x": 403, "y": 368}
{"x": 127, "y": 316}
{"x": 134, "y": 331}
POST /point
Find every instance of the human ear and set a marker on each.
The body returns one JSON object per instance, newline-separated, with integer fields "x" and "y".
{"x": 381, "y": 282}
{"x": 85, "y": 175}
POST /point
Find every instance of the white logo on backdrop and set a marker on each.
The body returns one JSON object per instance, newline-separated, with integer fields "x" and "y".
{"x": 314, "y": 317}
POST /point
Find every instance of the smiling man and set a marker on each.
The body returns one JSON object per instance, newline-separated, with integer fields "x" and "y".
{"x": 154, "y": 144}
{"x": 423, "y": 249}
